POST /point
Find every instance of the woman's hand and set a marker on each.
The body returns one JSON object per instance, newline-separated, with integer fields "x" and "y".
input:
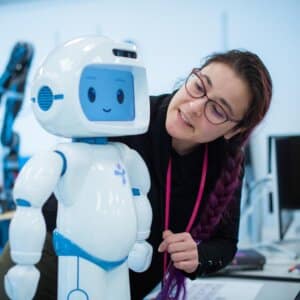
{"x": 182, "y": 249}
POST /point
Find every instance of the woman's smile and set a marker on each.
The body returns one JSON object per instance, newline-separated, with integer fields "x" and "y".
{"x": 184, "y": 119}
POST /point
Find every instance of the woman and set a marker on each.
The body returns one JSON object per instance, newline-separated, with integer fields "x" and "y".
{"x": 211, "y": 115}
{"x": 194, "y": 153}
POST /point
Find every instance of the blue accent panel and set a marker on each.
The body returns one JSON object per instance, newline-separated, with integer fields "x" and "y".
{"x": 58, "y": 97}
{"x": 45, "y": 98}
{"x": 33, "y": 99}
{"x": 64, "y": 169}
{"x": 23, "y": 202}
{"x": 107, "y": 94}
{"x": 92, "y": 140}
{"x": 136, "y": 192}
{"x": 65, "y": 247}
{"x": 22, "y": 161}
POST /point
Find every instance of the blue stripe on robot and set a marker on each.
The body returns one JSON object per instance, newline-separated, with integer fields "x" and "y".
{"x": 64, "y": 168}
{"x": 120, "y": 172}
{"x": 23, "y": 202}
{"x": 78, "y": 290}
{"x": 65, "y": 247}
{"x": 135, "y": 192}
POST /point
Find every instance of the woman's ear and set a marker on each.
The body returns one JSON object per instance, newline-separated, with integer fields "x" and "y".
{"x": 232, "y": 132}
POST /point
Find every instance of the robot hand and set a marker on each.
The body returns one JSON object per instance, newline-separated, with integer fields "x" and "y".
{"x": 140, "y": 256}
{"x": 21, "y": 282}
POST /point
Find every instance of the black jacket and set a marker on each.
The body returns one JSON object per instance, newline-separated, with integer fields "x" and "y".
{"x": 155, "y": 148}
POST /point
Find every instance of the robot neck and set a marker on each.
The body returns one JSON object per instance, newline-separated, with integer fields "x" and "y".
{"x": 91, "y": 140}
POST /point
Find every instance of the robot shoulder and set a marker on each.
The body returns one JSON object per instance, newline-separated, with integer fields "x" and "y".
{"x": 38, "y": 178}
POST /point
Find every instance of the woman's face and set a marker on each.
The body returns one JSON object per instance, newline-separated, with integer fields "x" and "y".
{"x": 186, "y": 121}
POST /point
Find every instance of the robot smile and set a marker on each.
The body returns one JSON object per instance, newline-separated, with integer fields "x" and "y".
{"x": 106, "y": 109}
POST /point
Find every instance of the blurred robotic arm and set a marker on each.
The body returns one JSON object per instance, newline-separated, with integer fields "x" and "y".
{"x": 15, "y": 74}
{"x": 12, "y": 88}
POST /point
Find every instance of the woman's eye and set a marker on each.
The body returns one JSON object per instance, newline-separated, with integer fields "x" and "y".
{"x": 199, "y": 88}
{"x": 218, "y": 112}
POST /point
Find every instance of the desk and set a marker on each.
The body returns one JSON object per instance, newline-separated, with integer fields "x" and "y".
{"x": 278, "y": 283}
{"x": 276, "y": 268}
{"x": 271, "y": 290}
{"x": 272, "y": 283}
{"x": 239, "y": 289}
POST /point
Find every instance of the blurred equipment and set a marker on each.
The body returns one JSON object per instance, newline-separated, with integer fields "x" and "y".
{"x": 251, "y": 203}
{"x": 12, "y": 88}
{"x": 246, "y": 259}
{"x": 284, "y": 166}
{"x": 284, "y": 196}
{"x": 281, "y": 188}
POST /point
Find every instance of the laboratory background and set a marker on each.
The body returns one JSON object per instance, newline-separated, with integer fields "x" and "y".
{"x": 173, "y": 36}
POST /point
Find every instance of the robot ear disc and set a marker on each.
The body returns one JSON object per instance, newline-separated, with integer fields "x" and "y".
{"x": 45, "y": 98}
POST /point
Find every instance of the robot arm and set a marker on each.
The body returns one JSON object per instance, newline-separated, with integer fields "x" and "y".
{"x": 33, "y": 187}
{"x": 14, "y": 76}
{"x": 12, "y": 84}
{"x": 12, "y": 88}
{"x": 27, "y": 231}
{"x": 140, "y": 256}
{"x": 140, "y": 182}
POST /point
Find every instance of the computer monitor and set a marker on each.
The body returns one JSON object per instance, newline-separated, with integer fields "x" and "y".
{"x": 284, "y": 168}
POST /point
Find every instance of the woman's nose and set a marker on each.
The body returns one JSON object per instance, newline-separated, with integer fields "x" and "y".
{"x": 196, "y": 107}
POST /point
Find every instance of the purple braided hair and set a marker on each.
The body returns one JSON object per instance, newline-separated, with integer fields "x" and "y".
{"x": 252, "y": 70}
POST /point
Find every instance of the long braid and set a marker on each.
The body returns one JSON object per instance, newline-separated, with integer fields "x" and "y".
{"x": 222, "y": 194}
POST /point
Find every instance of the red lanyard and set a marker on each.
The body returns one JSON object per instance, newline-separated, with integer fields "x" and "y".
{"x": 198, "y": 199}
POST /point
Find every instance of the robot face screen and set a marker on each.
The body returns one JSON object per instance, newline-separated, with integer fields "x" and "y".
{"x": 107, "y": 94}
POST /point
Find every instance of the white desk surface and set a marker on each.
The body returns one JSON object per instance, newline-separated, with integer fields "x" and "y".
{"x": 225, "y": 288}
{"x": 270, "y": 290}
{"x": 252, "y": 285}
{"x": 278, "y": 283}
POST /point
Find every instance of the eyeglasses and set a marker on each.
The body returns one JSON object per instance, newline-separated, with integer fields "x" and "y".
{"x": 213, "y": 111}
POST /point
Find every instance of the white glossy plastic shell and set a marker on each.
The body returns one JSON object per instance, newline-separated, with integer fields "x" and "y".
{"x": 61, "y": 71}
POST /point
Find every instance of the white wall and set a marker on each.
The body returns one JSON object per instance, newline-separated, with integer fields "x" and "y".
{"x": 271, "y": 29}
{"x": 173, "y": 37}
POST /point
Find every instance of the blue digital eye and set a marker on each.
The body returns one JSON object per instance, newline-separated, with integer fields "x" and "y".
{"x": 92, "y": 94}
{"x": 120, "y": 96}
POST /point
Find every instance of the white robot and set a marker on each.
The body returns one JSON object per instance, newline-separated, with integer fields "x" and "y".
{"x": 87, "y": 90}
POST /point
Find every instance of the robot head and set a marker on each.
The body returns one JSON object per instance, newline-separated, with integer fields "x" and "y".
{"x": 92, "y": 87}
